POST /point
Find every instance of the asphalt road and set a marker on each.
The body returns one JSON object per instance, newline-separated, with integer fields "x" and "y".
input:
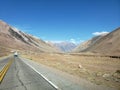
{"x": 21, "y": 77}
{"x": 3, "y": 62}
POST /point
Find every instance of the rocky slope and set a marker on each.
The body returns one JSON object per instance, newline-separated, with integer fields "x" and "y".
{"x": 84, "y": 45}
{"x": 13, "y": 39}
{"x": 107, "y": 45}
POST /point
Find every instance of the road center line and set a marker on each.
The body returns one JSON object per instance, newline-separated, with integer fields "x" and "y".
{"x": 4, "y": 70}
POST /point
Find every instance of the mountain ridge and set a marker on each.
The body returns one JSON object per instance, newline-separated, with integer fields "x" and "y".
{"x": 13, "y": 38}
{"x": 106, "y": 45}
{"x": 84, "y": 45}
{"x": 63, "y": 46}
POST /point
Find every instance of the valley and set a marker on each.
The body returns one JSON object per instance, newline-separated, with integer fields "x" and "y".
{"x": 96, "y": 60}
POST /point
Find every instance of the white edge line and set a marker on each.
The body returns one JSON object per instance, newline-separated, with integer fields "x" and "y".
{"x": 56, "y": 87}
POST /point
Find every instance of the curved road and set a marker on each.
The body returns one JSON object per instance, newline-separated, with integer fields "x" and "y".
{"x": 21, "y": 77}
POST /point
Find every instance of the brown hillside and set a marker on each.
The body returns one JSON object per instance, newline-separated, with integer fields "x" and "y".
{"x": 107, "y": 45}
{"x": 13, "y": 39}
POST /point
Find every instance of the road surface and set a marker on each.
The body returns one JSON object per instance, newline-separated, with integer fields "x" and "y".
{"x": 21, "y": 77}
{"x": 3, "y": 62}
{"x": 25, "y": 74}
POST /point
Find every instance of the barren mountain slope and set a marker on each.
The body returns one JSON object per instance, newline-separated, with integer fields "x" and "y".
{"x": 107, "y": 45}
{"x": 87, "y": 44}
{"x": 13, "y": 39}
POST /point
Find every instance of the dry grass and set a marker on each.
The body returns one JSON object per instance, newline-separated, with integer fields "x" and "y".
{"x": 92, "y": 68}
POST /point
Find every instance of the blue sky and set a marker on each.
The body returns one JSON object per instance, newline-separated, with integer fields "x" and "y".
{"x": 62, "y": 20}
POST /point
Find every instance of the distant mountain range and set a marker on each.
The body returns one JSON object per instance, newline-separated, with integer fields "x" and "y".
{"x": 12, "y": 39}
{"x": 106, "y": 44}
{"x": 64, "y": 46}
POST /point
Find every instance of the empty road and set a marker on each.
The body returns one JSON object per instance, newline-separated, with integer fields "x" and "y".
{"x": 25, "y": 74}
{"x": 3, "y": 62}
{"x": 21, "y": 77}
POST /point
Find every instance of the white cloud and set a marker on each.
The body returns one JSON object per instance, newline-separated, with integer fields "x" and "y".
{"x": 55, "y": 41}
{"x": 76, "y": 41}
{"x": 60, "y": 41}
{"x": 100, "y": 33}
{"x": 73, "y": 40}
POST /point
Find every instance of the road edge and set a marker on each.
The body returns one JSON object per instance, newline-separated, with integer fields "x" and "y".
{"x": 51, "y": 83}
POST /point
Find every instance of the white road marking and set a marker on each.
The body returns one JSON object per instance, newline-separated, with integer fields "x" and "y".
{"x": 42, "y": 76}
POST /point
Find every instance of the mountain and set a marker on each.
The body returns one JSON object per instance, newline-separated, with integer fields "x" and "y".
{"x": 107, "y": 45}
{"x": 13, "y": 39}
{"x": 63, "y": 46}
{"x": 84, "y": 45}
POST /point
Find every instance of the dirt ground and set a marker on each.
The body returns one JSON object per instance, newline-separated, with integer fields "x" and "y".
{"x": 97, "y": 69}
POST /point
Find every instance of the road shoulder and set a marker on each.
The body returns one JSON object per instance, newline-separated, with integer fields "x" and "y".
{"x": 63, "y": 80}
